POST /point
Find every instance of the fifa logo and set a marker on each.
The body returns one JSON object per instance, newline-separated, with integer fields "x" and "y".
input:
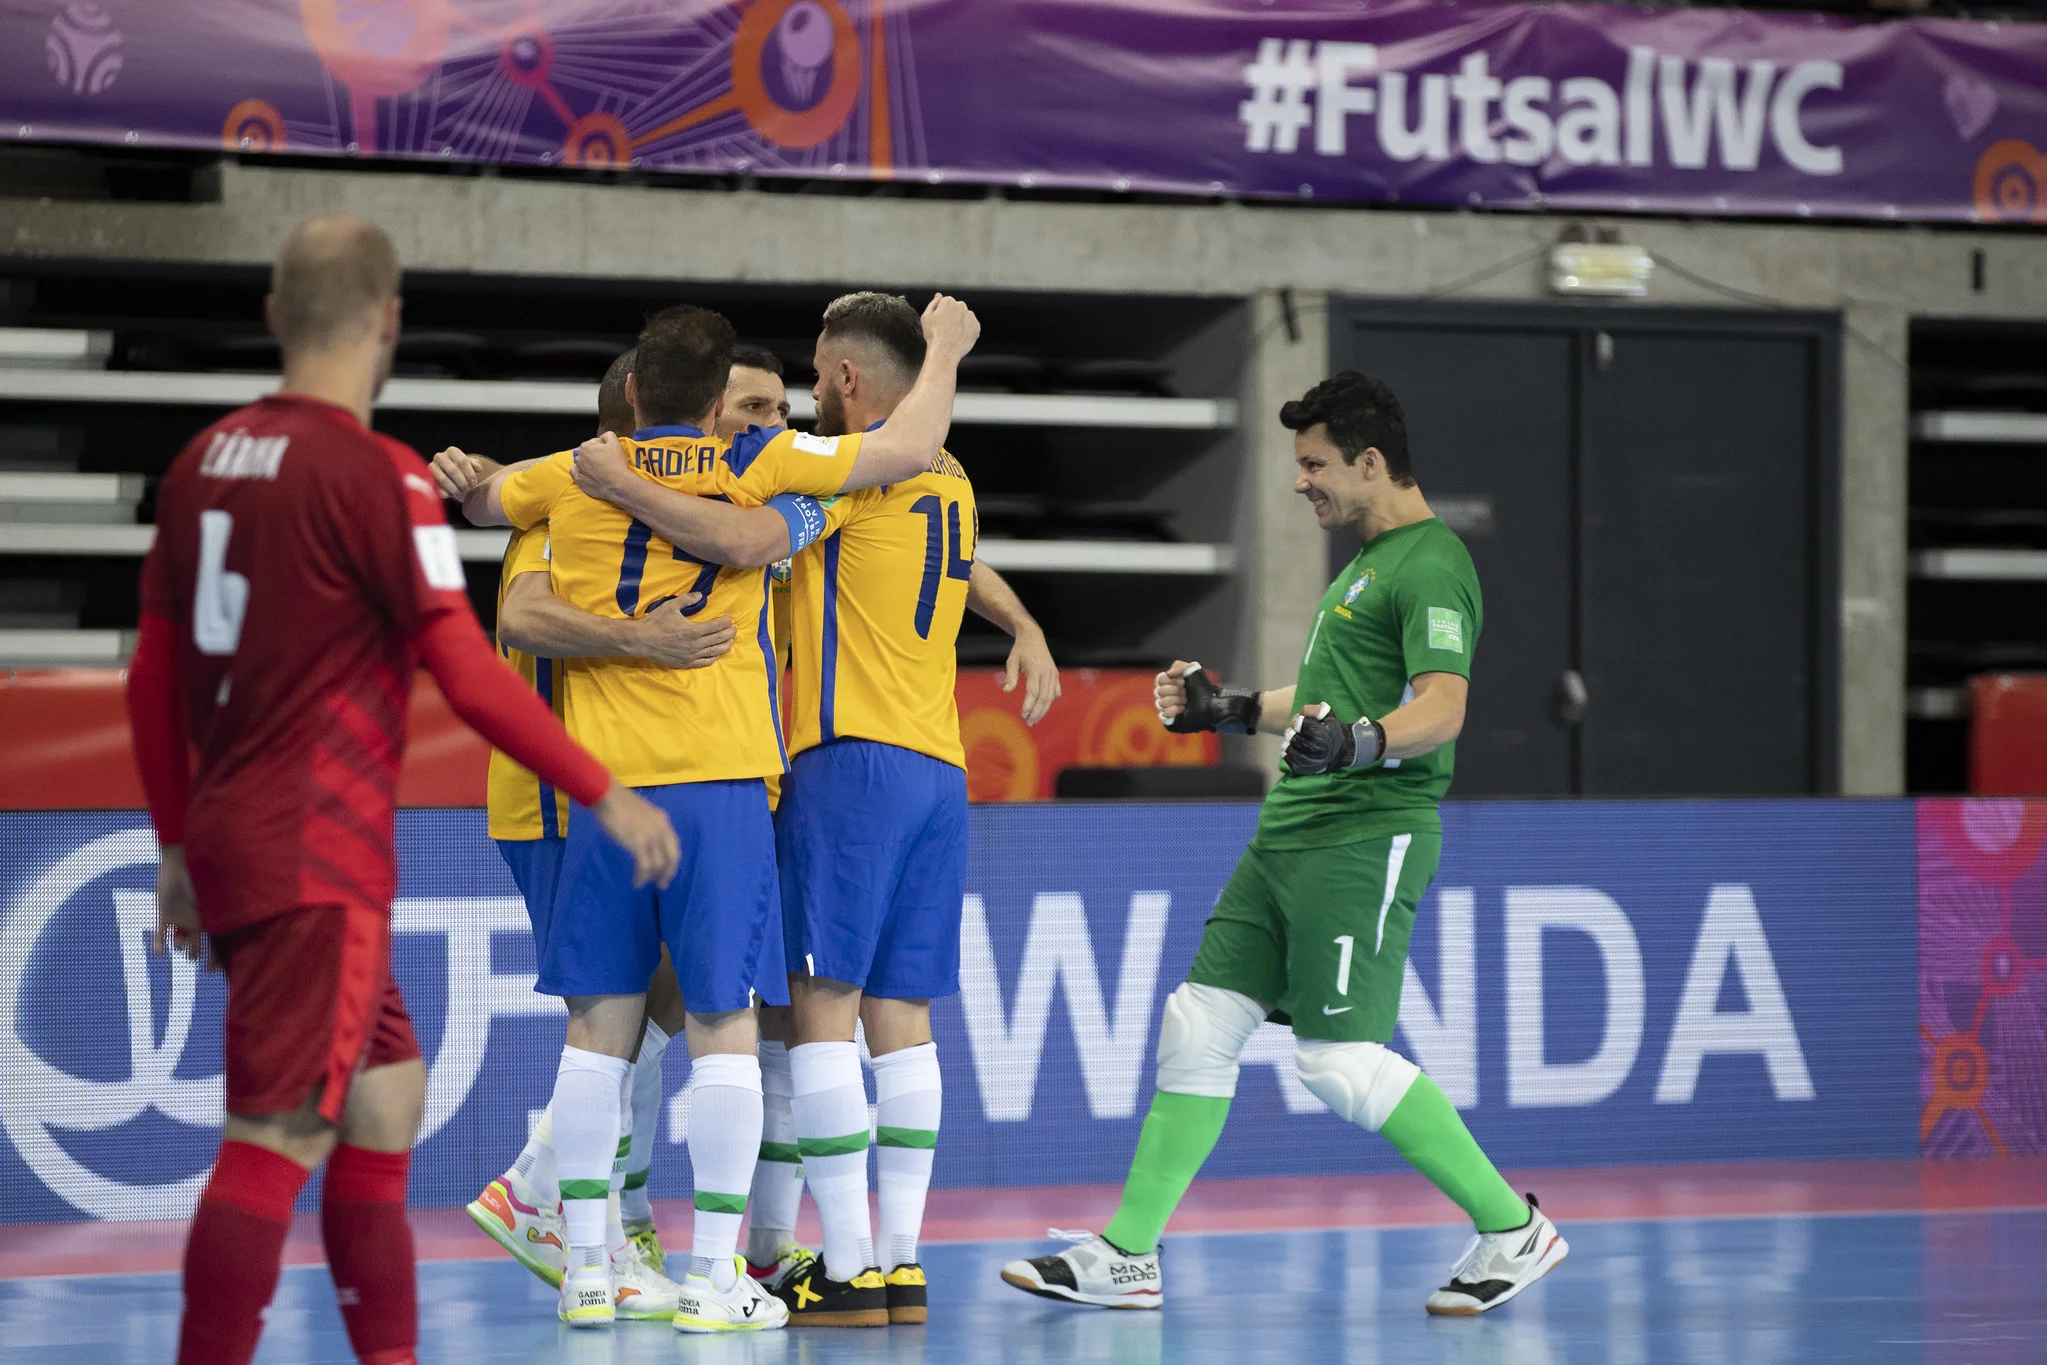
{"x": 55, "y": 1114}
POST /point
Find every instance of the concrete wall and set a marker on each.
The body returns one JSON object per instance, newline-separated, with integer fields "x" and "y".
{"x": 1878, "y": 277}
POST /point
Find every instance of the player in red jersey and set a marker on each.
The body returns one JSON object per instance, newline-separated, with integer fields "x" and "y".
{"x": 302, "y": 571}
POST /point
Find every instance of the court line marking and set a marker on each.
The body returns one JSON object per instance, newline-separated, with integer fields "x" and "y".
{"x": 498, "y": 1255}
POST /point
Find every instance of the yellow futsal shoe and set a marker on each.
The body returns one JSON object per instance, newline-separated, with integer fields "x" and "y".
{"x": 643, "y": 1236}
{"x": 905, "y": 1286}
{"x": 532, "y": 1235}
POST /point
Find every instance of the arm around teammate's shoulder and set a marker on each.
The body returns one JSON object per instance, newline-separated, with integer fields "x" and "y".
{"x": 908, "y": 443}
{"x": 713, "y": 531}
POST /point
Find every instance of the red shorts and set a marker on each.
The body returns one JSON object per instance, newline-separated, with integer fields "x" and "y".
{"x": 310, "y": 1002}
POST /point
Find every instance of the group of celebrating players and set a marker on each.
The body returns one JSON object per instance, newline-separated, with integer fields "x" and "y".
{"x": 691, "y": 867}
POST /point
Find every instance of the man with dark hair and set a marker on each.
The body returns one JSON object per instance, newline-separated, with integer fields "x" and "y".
{"x": 302, "y": 571}
{"x": 1313, "y": 927}
{"x": 754, "y": 394}
{"x": 529, "y": 822}
{"x": 718, "y": 738}
{"x": 871, "y": 833}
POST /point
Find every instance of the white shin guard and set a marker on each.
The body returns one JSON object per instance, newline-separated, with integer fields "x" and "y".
{"x": 1200, "y": 1038}
{"x": 1361, "y": 1082}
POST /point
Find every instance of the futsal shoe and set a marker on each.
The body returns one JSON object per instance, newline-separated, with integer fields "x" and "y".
{"x": 905, "y": 1293}
{"x": 1094, "y": 1270}
{"x": 532, "y": 1235}
{"x": 641, "y": 1292}
{"x": 702, "y": 1307}
{"x": 793, "y": 1257}
{"x": 642, "y": 1235}
{"x": 589, "y": 1297}
{"x": 815, "y": 1299}
{"x": 1499, "y": 1265}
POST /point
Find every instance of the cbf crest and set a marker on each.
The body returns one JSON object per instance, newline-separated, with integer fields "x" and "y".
{"x": 1358, "y": 585}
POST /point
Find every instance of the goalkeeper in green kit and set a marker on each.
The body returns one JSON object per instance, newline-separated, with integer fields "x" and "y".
{"x": 1314, "y": 924}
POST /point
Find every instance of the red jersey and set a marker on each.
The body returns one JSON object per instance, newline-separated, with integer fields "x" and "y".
{"x": 298, "y": 556}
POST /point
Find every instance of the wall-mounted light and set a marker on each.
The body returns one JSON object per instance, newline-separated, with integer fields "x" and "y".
{"x": 1608, "y": 269}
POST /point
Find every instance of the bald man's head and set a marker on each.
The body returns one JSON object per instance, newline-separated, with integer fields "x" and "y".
{"x": 335, "y": 284}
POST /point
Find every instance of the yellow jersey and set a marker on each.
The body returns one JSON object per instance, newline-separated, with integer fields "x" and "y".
{"x": 875, "y": 608}
{"x": 520, "y": 805}
{"x": 651, "y": 725}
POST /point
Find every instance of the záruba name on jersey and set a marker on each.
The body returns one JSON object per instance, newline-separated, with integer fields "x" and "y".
{"x": 238, "y": 455}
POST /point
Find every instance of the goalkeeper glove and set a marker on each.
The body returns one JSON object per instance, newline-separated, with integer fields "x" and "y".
{"x": 1316, "y": 744}
{"x": 1226, "y": 710}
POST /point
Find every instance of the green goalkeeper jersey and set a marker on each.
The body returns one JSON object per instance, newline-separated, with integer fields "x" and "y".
{"x": 1408, "y": 604}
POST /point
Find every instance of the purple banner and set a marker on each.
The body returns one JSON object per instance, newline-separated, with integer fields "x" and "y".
{"x": 1429, "y": 102}
{"x": 1983, "y": 977}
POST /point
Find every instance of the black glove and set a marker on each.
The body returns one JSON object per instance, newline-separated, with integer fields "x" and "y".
{"x": 1226, "y": 710}
{"x": 1316, "y": 744}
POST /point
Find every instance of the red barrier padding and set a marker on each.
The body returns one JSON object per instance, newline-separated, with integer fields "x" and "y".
{"x": 64, "y": 745}
{"x": 1105, "y": 719}
{"x": 2008, "y": 734}
{"x": 64, "y": 740}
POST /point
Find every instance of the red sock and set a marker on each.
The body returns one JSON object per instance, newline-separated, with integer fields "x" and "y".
{"x": 369, "y": 1251}
{"x": 234, "y": 1252}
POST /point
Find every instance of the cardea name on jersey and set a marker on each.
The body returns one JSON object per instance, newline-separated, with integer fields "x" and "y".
{"x": 238, "y": 455}
{"x": 670, "y": 462}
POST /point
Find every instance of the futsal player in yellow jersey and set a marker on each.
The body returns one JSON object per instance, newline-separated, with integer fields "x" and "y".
{"x": 529, "y": 821}
{"x": 871, "y": 832}
{"x": 698, "y": 743}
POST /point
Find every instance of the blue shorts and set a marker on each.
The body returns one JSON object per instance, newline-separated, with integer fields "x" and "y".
{"x": 717, "y": 917}
{"x": 872, "y": 841}
{"x": 536, "y": 869}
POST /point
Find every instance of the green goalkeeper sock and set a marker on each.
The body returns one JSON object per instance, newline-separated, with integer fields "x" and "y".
{"x": 1179, "y": 1133}
{"x": 1425, "y": 1129}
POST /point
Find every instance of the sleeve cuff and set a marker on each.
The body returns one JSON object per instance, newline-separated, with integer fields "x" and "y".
{"x": 805, "y": 517}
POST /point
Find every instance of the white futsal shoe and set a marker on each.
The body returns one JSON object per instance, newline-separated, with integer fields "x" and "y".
{"x": 1499, "y": 1265}
{"x": 589, "y": 1297}
{"x": 745, "y": 1307}
{"x": 641, "y": 1292}
{"x": 1093, "y": 1271}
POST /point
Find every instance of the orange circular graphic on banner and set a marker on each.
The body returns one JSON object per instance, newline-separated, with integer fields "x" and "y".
{"x": 1002, "y": 760}
{"x": 808, "y": 34}
{"x": 253, "y": 126}
{"x": 2011, "y": 183}
{"x": 1122, "y": 730}
{"x": 378, "y": 48}
{"x": 597, "y": 140}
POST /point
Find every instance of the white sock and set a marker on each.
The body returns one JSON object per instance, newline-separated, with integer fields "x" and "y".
{"x": 586, "y": 1108}
{"x": 614, "y": 1218}
{"x": 907, "y": 1098}
{"x": 831, "y": 1131}
{"x": 534, "y": 1170}
{"x": 646, "y": 1109}
{"x": 724, "y": 1141}
{"x": 778, "y": 1175}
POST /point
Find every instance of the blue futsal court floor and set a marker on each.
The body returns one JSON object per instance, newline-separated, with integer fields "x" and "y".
{"x": 1963, "y": 1287}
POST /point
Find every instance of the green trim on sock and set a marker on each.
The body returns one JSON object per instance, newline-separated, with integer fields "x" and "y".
{"x": 625, "y": 1146}
{"x": 923, "y": 1138}
{"x": 1179, "y": 1133}
{"x": 635, "y": 1180}
{"x": 784, "y": 1152}
{"x": 585, "y": 1189}
{"x": 833, "y": 1146}
{"x": 712, "y": 1202}
{"x": 1425, "y": 1129}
